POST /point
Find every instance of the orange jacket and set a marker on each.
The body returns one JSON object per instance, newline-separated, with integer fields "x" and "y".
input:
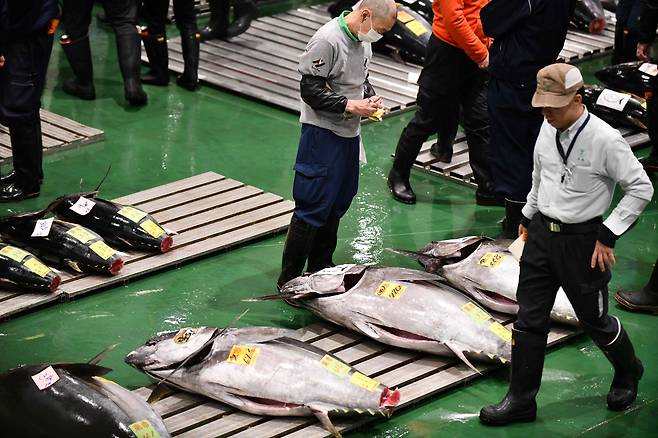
{"x": 457, "y": 22}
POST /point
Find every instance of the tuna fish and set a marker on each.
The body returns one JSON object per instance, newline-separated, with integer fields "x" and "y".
{"x": 618, "y": 109}
{"x": 72, "y": 400}
{"x": 263, "y": 371}
{"x": 589, "y": 15}
{"x": 25, "y": 271}
{"x": 118, "y": 224}
{"x": 632, "y": 77}
{"x": 489, "y": 274}
{"x": 401, "y": 307}
{"x": 63, "y": 243}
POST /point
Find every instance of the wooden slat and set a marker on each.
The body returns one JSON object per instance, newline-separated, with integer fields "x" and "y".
{"x": 170, "y": 188}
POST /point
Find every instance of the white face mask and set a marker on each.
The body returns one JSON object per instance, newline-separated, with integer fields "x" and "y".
{"x": 371, "y": 36}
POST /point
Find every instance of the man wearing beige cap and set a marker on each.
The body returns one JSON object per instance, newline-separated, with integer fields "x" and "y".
{"x": 578, "y": 161}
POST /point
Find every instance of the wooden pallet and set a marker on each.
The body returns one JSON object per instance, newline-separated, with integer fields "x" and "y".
{"x": 418, "y": 375}
{"x": 208, "y": 211}
{"x": 58, "y": 132}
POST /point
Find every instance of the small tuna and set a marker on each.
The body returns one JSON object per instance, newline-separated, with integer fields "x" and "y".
{"x": 24, "y": 270}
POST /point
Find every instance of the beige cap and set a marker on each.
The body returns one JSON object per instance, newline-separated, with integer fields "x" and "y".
{"x": 557, "y": 84}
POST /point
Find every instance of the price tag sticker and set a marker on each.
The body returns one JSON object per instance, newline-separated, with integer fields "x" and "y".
{"x": 45, "y": 378}
{"x": 37, "y": 267}
{"x": 417, "y": 28}
{"x": 491, "y": 260}
{"x": 83, "y": 206}
{"x": 132, "y": 213}
{"x": 81, "y": 234}
{"x": 364, "y": 381}
{"x": 144, "y": 429}
{"x": 152, "y": 228}
{"x": 613, "y": 99}
{"x": 649, "y": 68}
{"x": 475, "y": 312}
{"x": 243, "y": 355}
{"x": 102, "y": 249}
{"x": 334, "y": 365}
{"x": 501, "y": 331}
{"x": 404, "y": 17}
{"x": 14, "y": 253}
{"x": 42, "y": 227}
{"x": 184, "y": 335}
{"x": 392, "y": 291}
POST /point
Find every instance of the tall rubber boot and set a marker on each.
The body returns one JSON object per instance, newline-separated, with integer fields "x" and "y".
{"x": 244, "y": 12}
{"x": 296, "y": 250}
{"x": 398, "y": 177}
{"x": 78, "y": 53}
{"x": 513, "y": 218}
{"x": 324, "y": 245}
{"x": 219, "y": 20}
{"x": 158, "y": 55}
{"x": 628, "y": 372}
{"x": 645, "y": 299}
{"x": 519, "y": 404}
{"x": 190, "y": 77}
{"x": 128, "y": 48}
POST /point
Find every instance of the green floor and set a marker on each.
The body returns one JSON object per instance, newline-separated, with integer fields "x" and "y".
{"x": 180, "y": 134}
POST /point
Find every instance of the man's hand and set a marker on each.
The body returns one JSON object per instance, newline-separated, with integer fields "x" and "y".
{"x": 364, "y": 107}
{"x": 523, "y": 232}
{"x": 2, "y": 61}
{"x": 484, "y": 64}
{"x": 604, "y": 256}
{"x": 642, "y": 51}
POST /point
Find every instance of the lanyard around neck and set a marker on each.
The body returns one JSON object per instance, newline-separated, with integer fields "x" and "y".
{"x": 564, "y": 156}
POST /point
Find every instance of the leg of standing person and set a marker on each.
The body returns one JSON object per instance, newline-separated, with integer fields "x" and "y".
{"x": 650, "y": 163}
{"x": 76, "y": 17}
{"x": 645, "y": 299}
{"x": 190, "y": 38}
{"x": 154, "y": 38}
{"x": 122, "y": 16}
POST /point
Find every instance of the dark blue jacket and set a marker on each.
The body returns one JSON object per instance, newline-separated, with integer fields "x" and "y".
{"x": 648, "y": 21}
{"x": 528, "y": 35}
{"x": 19, "y": 18}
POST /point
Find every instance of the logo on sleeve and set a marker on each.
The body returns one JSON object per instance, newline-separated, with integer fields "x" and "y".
{"x": 317, "y": 63}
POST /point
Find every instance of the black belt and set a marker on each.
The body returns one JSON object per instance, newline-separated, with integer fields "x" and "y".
{"x": 555, "y": 226}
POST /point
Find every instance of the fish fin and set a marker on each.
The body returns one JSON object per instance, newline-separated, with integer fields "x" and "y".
{"x": 430, "y": 263}
{"x": 365, "y": 328}
{"x": 455, "y": 348}
{"x": 158, "y": 393}
{"x": 96, "y": 359}
{"x": 83, "y": 369}
{"x": 323, "y": 417}
{"x": 107, "y": 172}
{"x": 74, "y": 265}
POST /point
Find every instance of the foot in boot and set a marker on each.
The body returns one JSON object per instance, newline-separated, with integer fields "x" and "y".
{"x": 628, "y": 372}
{"x": 400, "y": 187}
{"x": 483, "y": 197}
{"x": 645, "y": 299}
{"x": 188, "y": 84}
{"x": 151, "y": 78}
{"x": 441, "y": 152}
{"x": 509, "y": 410}
{"x": 650, "y": 163}
{"x": 83, "y": 91}
{"x": 134, "y": 93}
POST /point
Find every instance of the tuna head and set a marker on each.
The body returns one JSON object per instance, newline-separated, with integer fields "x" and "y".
{"x": 167, "y": 350}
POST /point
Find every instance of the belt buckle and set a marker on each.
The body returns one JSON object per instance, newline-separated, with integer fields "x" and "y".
{"x": 554, "y": 227}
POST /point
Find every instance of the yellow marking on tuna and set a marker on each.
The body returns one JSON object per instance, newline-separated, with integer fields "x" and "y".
{"x": 37, "y": 267}
{"x": 81, "y": 234}
{"x": 392, "y": 291}
{"x": 184, "y": 335}
{"x": 152, "y": 228}
{"x": 243, "y": 355}
{"x": 132, "y": 213}
{"x": 14, "y": 253}
{"x": 358, "y": 411}
{"x": 372, "y": 412}
{"x": 103, "y": 379}
{"x": 501, "y": 331}
{"x": 491, "y": 356}
{"x": 491, "y": 260}
{"x": 417, "y": 27}
{"x": 144, "y": 429}
{"x": 364, "y": 381}
{"x": 102, "y": 249}
{"x": 475, "y": 312}
{"x": 503, "y": 360}
{"x": 404, "y": 17}
{"x": 335, "y": 366}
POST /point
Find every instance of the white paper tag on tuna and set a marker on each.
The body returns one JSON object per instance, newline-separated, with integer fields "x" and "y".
{"x": 45, "y": 378}
{"x": 42, "y": 227}
{"x": 516, "y": 248}
{"x": 83, "y": 206}
{"x": 340, "y": 269}
{"x": 412, "y": 77}
{"x": 649, "y": 68}
{"x": 613, "y": 99}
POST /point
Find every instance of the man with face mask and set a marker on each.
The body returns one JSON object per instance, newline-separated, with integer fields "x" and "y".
{"x": 335, "y": 94}
{"x": 578, "y": 161}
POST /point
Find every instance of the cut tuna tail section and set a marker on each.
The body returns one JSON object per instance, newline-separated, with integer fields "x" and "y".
{"x": 459, "y": 352}
{"x": 430, "y": 263}
{"x": 389, "y": 400}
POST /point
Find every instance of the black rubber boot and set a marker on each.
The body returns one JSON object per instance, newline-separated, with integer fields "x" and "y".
{"x": 519, "y": 404}
{"x": 628, "y": 372}
{"x": 442, "y": 152}
{"x": 128, "y": 48}
{"x": 645, "y": 299}
{"x": 78, "y": 53}
{"x": 219, "y": 20}
{"x": 244, "y": 12}
{"x": 158, "y": 55}
{"x": 190, "y": 77}
{"x": 324, "y": 245}
{"x": 299, "y": 242}
{"x": 398, "y": 177}
{"x": 513, "y": 218}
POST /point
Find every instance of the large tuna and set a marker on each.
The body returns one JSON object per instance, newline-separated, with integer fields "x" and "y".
{"x": 72, "y": 400}
{"x": 618, "y": 109}
{"x": 118, "y": 224}
{"x": 632, "y": 77}
{"x": 263, "y": 371}
{"x": 589, "y": 15}
{"x": 25, "y": 271}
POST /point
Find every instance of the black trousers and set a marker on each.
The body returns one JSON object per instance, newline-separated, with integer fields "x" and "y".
{"x": 154, "y": 13}
{"x": 652, "y": 112}
{"x": 22, "y": 80}
{"x": 551, "y": 260}
{"x": 76, "y": 16}
{"x": 451, "y": 87}
{"x": 628, "y": 13}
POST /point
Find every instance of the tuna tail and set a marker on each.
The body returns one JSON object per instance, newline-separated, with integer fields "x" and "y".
{"x": 431, "y": 264}
{"x": 459, "y": 352}
{"x": 323, "y": 417}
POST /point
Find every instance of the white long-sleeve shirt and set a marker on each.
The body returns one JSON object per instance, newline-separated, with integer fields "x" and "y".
{"x": 600, "y": 160}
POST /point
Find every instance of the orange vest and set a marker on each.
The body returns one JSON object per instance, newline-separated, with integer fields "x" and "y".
{"x": 457, "y": 22}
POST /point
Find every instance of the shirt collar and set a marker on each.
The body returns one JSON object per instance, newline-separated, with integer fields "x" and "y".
{"x": 343, "y": 26}
{"x": 574, "y": 127}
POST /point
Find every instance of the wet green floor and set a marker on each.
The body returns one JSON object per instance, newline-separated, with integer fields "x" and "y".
{"x": 180, "y": 134}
